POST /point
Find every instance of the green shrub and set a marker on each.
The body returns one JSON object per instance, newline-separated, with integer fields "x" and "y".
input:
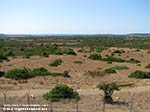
{"x": 134, "y": 61}
{"x": 110, "y": 59}
{"x": 99, "y": 49}
{"x": 147, "y": 66}
{"x": 2, "y": 74}
{"x": 61, "y": 92}
{"x": 69, "y": 51}
{"x": 3, "y": 57}
{"x": 119, "y": 51}
{"x": 120, "y": 68}
{"x": 109, "y": 71}
{"x": 39, "y": 72}
{"x": 56, "y": 62}
{"x": 18, "y": 74}
{"x": 140, "y": 74}
{"x": 95, "y": 57}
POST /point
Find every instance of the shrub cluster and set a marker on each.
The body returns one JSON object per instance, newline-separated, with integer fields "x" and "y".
{"x": 139, "y": 74}
{"x": 120, "y": 67}
{"x": 2, "y": 74}
{"x": 27, "y": 73}
{"x": 61, "y": 92}
{"x": 110, "y": 71}
{"x": 69, "y": 51}
{"x": 56, "y": 62}
{"x": 111, "y": 59}
{"x": 147, "y": 66}
{"x": 18, "y": 74}
{"x": 3, "y": 57}
{"x": 134, "y": 61}
{"x": 95, "y": 57}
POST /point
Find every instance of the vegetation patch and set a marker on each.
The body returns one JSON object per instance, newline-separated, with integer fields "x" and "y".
{"x": 139, "y": 74}
{"x": 18, "y": 74}
{"x": 111, "y": 59}
{"x": 120, "y": 67}
{"x": 3, "y": 57}
{"x": 56, "y": 62}
{"x": 95, "y": 57}
{"x": 147, "y": 66}
{"x": 27, "y": 73}
{"x": 110, "y": 71}
{"x": 2, "y": 74}
{"x": 119, "y": 51}
{"x": 134, "y": 61}
{"x": 61, "y": 92}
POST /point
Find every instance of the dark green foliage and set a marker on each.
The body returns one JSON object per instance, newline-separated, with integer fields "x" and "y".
{"x": 147, "y": 66}
{"x": 120, "y": 68}
{"x": 69, "y": 51}
{"x": 3, "y": 57}
{"x": 56, "y": 62}
{"x": 61, "y": 92}
{"x": 134, "y": 61}
{"x": 18, "y": 74}
{"x": 110, "y": 59}
{"x": 95, "y": 57}
{"x": 27, "y": 73}
{"x": 39, "y": 72}
{"x": 139, "y": 74}
{"x": 108, "y": 89}
{"x": 110, "y": 71}
{"x": 119, "y": 51}
{"x": 99, "y": 49}
{"x": 2, "y": 74}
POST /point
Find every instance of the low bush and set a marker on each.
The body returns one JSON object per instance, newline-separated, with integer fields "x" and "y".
{"x": 27, "y": 73}
{"x": 139, "y": 74}
{"x": 147, "y": 66}
{"x": 61, "y": 92}
{"x": 120, "y": 67}
{"x": 56, "y": 62}
{"x": 2, "y": 74}
{"x": 110, "y": 59}
{"x": 69, "y": 51}
{"x": 39, "y": 72}
{"x": 134, "y": 61}
{"x": 110, "y": 71}
{"x": 119, "y": 51}
{"x": 99, "y": 49}
{"x": 18, "y": 74}
{"x": 3, "y": 57}
{"x": 95, "y": 57}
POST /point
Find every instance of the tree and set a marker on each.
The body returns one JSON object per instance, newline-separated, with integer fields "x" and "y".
{"x": 108, "y": 89}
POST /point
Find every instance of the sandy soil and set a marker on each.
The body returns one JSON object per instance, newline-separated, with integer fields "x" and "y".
{"x": 80, "y": 80}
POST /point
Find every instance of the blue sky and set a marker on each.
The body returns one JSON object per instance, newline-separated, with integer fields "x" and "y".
{"x": 74, "y": 16}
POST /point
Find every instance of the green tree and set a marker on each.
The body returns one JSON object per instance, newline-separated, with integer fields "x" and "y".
{"x": 108, "y": 89}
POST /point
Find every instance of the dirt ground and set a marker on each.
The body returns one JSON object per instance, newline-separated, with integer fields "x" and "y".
{"x": 81, "y": 81}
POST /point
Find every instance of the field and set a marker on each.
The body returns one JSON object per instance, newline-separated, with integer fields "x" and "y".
{"x": 78, "y": 55}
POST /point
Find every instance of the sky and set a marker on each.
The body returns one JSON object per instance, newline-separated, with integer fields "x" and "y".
{"x": 74, "y": 16}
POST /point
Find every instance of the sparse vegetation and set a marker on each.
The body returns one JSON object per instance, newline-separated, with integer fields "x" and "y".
{"x": 120, "y": 67}
{"x": 18, "y": 74}
{"x": 140, "y": 74}
{"x": 147, "y": 66}
{"x": 27, "y": 73}
{"x": 111, "y": 59}
{"x": 2, "y": 74}
{"x": 56, "y": 62}
{"x": 61, "y": 92}
{"x": 110, "y": 71}
{"x": 134, "y": 61}
{"x": 95, "y": 57}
